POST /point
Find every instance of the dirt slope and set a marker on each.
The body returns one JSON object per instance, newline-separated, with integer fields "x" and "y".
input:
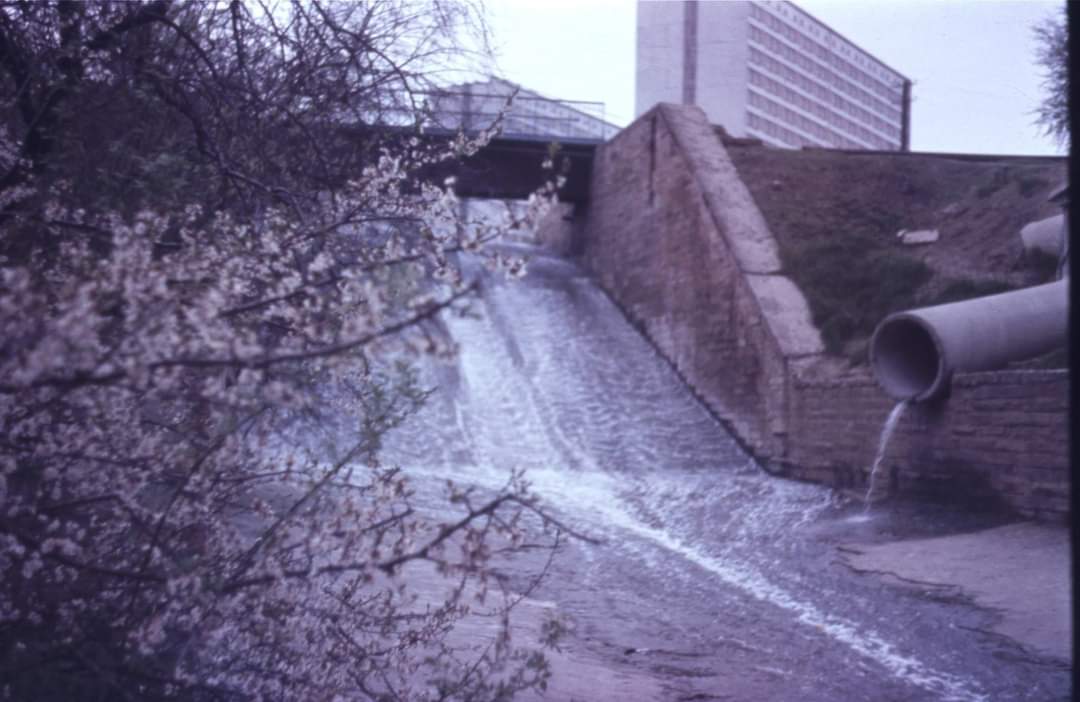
{"x": 836, "y": 215}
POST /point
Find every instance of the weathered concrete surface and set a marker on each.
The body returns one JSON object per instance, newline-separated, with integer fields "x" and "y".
{"x": 1019, "y": 570}
{"x": 577, "y": 673}
{"x": 733, "y": 210}
{"x": 789, "y": 316}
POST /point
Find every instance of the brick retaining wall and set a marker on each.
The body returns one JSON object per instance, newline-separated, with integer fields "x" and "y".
{"x": 1000, "y": 437}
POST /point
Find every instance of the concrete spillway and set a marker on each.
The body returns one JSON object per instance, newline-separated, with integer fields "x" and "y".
{"x": 711, "y": 578}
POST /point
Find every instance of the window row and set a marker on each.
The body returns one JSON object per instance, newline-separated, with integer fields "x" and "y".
{"x": 790, "y": 117}
{"x": 828, "y": 97}
{"x": 766, "y": 126}
{"x": 826, "y": 115}
{"x": 824, "y": 136}
{"x": 825, "y": 54}
{"x": 788, "y": 12}
{"x": 770, "y": 128}
{"x": 825, "y": 75}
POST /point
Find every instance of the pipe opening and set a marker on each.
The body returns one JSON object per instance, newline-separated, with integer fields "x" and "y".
{"x": 906, "y": 359}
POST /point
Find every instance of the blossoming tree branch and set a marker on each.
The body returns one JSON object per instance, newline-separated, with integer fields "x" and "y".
{"x": 198, "y": 259}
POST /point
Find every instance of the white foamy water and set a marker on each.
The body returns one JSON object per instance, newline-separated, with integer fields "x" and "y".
{"x": 863, "y": 641}
{"x": 551, "y": 379}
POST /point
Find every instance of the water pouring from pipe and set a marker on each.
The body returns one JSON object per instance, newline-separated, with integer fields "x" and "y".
{"x": 883, "y": 445}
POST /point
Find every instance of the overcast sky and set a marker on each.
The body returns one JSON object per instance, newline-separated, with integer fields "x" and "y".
{"x": 972, "y": 62}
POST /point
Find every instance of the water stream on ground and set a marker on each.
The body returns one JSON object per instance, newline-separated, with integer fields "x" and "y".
{"x": 711, "y": 579}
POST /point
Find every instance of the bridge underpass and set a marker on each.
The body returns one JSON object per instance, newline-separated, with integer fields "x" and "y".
{"x": 507, "y": 168}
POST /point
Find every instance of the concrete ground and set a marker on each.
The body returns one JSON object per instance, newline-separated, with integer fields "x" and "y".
{"x": 1019, "y": 571}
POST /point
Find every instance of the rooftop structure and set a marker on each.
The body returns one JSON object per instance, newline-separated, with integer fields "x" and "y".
{"x": 477, "y": 104}
{"x": 769, "y": 70}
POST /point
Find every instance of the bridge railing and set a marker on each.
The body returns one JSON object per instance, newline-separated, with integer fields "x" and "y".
{"x": 523, "y": 117}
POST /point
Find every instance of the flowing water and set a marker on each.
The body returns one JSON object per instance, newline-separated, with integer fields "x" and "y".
{"x": 883, "y": 444}
{"x": 711, "y": 579}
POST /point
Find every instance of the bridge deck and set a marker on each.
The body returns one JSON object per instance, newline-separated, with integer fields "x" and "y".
{"x": 509, "y": 167}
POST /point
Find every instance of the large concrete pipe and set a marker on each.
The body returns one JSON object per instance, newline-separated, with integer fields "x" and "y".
{"x": 915, "y": 353}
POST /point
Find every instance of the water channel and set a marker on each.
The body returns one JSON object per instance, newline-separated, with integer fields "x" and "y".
{"x": 713, "y": 580}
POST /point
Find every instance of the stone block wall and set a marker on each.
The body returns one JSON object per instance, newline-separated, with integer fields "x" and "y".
{"x": 672, "y": 234}
{"x": 999, "y": 438}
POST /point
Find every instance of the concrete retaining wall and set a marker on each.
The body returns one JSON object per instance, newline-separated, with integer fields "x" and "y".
{"x": 672, "y": 234}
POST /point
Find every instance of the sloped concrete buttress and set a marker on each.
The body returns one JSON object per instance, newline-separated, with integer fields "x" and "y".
{"x": 735, "y": 213}
{"x": 788, "y": 313}
{"x": 745, "y": 232}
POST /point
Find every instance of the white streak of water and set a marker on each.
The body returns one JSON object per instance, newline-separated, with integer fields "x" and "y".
{"x": 868, "y": 644}
{"x": 598, "y": 493}
{"x": 883, "y": 445}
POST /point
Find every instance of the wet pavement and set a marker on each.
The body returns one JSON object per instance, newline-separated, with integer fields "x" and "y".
{"x": 711, "y": 579}
{"x": 1015, "y": 570}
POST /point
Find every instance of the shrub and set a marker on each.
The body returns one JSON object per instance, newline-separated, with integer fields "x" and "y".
{"x": 997, "y": 181}
{"x": 1044, "y": 265}
{"x": 852, "y": 284}
{"x": 957, "y": 290}
{"x": 173, "y": 331}
{"x": 1029, "y": 185}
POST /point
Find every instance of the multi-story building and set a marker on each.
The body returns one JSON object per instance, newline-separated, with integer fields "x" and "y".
{"x": 769, "y": 70}
{"x": 530, "y": 115}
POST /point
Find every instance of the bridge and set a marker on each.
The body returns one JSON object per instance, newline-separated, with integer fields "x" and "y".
{"x": 533, "y": 129}
{"x": 512, "y": 168}
{"x": 508, "y": 167}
